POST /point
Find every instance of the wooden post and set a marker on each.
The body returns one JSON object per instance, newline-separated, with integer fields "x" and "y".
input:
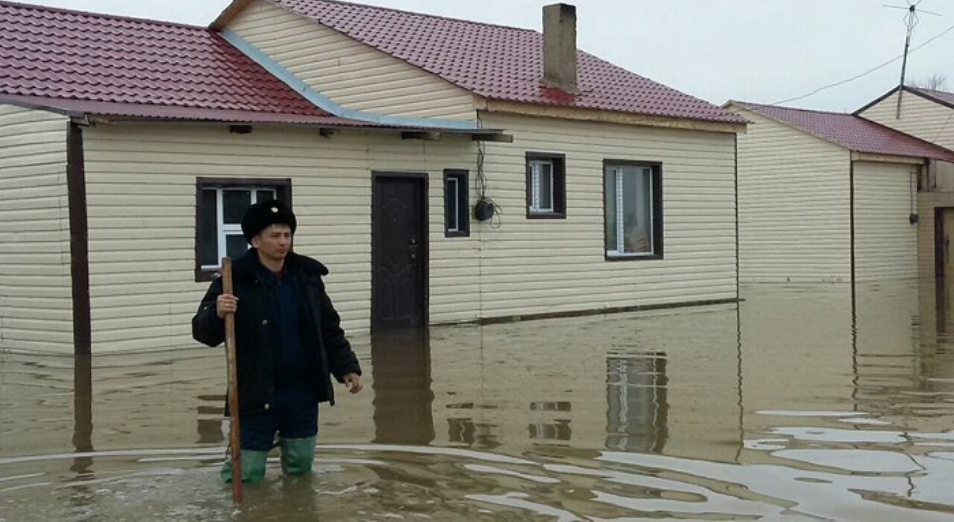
{"x": 235, "y": 444}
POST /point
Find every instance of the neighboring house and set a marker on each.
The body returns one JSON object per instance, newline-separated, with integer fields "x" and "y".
{"x": 828, "y": 197}
{"x": 129, "y": 149}
{"x": 928, "y": 115}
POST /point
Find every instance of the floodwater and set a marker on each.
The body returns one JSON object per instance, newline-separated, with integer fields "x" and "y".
{"x": 801, "y": 402}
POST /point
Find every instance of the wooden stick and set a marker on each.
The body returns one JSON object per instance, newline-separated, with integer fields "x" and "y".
{"x": 235, "y": 443}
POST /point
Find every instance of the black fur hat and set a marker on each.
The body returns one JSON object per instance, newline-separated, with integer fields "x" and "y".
{"x": 260, "y": 216}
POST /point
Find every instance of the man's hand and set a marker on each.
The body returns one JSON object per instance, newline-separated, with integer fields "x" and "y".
{"x": 353, "y": 382}
{"x": 225, "y": 304}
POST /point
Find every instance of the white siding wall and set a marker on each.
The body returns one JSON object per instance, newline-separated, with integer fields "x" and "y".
{"x": 886, "y": 243}
{"x": 794, "y": 220}
{"x": 348, "y": 72}
{"x": 141, "y": 191}
{"x": 35, "y": 289}
{"x": 920, "y": 117}
{"x": 542, "y": 266}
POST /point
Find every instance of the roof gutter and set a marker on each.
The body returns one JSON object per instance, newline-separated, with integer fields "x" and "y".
{"x": 326, "y": 104}
{"x": 407, "y": 132}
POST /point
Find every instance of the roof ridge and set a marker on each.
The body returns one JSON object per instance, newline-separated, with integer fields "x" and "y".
{"x": 94, "y": 14}
{"x": 770, "y": 106}
{"x": 425, "y": 15}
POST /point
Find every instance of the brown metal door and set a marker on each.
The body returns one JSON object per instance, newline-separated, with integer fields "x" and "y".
{"x": 399, "y": 253}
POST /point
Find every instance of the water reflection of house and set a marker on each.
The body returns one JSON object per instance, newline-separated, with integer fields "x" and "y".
{"x": 636, "y": 382}
{"x": 130, "y": 174}
{"x": 637, "y": 413}
{"x": 811, "y": 348}
{"x": 401, "y": 381}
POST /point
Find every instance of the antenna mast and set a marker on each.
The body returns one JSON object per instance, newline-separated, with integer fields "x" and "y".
{"x": 911, "y": 21}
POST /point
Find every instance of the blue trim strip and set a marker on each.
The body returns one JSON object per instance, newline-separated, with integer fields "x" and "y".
{"x": 326, "y": 104}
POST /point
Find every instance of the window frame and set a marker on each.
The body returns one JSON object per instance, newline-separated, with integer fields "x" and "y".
{"x": 461, "y": 178}
{"x": 283, "y": 193}
{"x": 656, "y": 169}
{"x": 557, "y": 184}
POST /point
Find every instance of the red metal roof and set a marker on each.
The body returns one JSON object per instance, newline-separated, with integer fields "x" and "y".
{"x": 501, "y": 63}
{"x": 137, "y": 66}
{"x": 852, "y": 132}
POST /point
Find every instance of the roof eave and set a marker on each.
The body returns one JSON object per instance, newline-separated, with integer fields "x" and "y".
{"x": 37, "y": 103}
{"x": 881, "y": 157}
{"x": 930, "y": 97}
{"x": 332, "y": 124}
{"x": 607, "y": 116}
{"x": 878, "y": 100}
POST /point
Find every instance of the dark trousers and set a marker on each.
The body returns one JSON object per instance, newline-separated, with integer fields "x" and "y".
{"x": 294, "y": 415}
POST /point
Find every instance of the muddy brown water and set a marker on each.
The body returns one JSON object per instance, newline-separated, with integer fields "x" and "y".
{"x": 800, "y": 403}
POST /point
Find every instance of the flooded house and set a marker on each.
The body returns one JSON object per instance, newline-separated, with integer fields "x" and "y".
{"x": 446, "y": 171}
{"x": 928, "y": 115}
{"x": 830, "y": 197}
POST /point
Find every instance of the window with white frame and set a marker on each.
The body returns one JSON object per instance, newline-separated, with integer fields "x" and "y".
{"x": 220, "y": 205}
{"x": 456, "y": 204}
{"x": 546, "y": 185}
{"x": 633, "y": 208}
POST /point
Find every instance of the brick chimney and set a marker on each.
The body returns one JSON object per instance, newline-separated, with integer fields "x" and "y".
{"x": 559, "y": 47}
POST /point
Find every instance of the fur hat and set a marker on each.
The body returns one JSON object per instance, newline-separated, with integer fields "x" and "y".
{"x": 260, "y": 216}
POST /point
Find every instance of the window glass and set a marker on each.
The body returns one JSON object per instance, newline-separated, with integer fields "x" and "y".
{"x": 208, "y": 228}
{"x": 546, "y": 187}
{"x": 235, "y": 245}
{"x": 612, "y": 238}
{"x": 234, "y": 204}
{"x": 451, "y": 196}
{"x": 637, "y": 211}
{"x": 629, "y": 197}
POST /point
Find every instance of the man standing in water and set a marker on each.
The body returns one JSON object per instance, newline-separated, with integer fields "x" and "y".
{"x": 288, "y": 343}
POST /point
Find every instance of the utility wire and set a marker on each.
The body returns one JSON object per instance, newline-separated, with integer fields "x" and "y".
{"x": 866, "y": 73}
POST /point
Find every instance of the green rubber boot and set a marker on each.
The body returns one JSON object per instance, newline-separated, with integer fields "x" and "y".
{"x": 297, "y": 455}
{"x": 253, "y": 467}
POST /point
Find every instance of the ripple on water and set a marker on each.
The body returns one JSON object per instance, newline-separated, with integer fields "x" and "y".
{"x": 441, "y": 483}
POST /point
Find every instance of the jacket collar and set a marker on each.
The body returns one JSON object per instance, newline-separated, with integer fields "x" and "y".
{"x": 245, "y": 266}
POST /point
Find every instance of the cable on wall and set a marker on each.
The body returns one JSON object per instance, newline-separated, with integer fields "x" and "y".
{"x": 485, "y": 208}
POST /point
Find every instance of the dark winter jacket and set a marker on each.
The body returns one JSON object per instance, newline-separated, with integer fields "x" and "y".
{"x": 329, "y": 351}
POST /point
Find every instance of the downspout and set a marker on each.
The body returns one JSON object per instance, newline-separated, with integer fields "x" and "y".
{"x": 851, "y": 210}
{"x": 738, "y": 263}
{"x": 854, "y": 295}
{"x": 79, "y": 240}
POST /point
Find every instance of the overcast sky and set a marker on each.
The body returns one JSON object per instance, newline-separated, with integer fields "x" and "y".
{"x": 762, "y": 51}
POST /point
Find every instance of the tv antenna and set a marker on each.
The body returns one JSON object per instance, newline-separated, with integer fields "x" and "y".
{"x": 911, "y": 20}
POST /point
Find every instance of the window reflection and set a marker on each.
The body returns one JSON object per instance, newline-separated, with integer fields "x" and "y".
{"x": 558, "y": 430}
{"x": 637, "y": 406}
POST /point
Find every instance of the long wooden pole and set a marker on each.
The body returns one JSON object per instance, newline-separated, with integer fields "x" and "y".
{"x": 235, "y": 444}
